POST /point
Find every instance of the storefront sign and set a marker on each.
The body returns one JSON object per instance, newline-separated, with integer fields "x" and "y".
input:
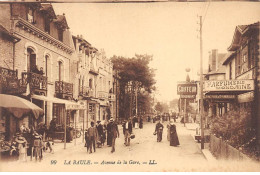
{"x": 188, "y": 96}
{"x": 229, "y": 85}
{"x": 246, "y": 97}
{"x": 219, "y": 96}
{"x": 187, "y": 89}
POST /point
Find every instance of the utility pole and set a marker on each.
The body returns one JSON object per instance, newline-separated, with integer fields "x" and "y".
{"x": 201, "y": 88}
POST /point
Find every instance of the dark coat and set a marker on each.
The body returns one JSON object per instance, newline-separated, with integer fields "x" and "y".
{"x": 174, "y": 140}
{"x": 100, "y": 129}
{"x": 130, "y": 127}
{"x": 114, "y": 130}
{"x": 109, "y": 134}
{"x": 158, "y": 127}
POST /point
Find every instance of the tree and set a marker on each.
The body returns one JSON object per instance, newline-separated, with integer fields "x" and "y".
{"x": 134, "y": 75}
{"x": 159, "y": 107}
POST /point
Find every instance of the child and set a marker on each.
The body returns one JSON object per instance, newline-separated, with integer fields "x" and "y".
{"x": 22, "y": 147}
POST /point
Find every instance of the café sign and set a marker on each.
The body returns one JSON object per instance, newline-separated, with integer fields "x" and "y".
{"x": 186, "y": 89}
{"x": 229, "y": 85}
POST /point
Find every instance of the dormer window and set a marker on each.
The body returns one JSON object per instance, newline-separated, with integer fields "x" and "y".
{"x": 60, "y": 35}
{"x": 30, "y": 15}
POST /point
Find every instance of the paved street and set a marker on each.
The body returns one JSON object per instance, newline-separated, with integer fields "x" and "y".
{"x": 143, "y": 150}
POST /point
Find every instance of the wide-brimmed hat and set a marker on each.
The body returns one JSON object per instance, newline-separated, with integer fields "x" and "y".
{"x": 111, "y": 119}
{"x": 98, "y": 121}
{"x": 20, "y": 139}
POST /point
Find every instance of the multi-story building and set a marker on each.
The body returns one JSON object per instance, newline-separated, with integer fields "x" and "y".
{"x": 105, "y": 87}
{"x": 42, "y": 58}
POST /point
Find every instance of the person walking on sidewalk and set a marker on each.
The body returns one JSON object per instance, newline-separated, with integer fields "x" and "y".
{"x": 109, "y": 133}
{"x": 114, "y": 134}
{"x": 127, "y": 128}
{"x": 174, "y": 140}
{"x": 159, "y": 131}
{"x": 92, "y": 133}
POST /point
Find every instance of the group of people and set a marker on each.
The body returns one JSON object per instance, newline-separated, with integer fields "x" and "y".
{"x": 97, "y": 135}
{"x": 29, "y": 142}
{"x": 171, "y": 134}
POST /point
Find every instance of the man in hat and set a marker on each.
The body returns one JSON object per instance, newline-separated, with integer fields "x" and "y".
{"x": 174, "y": 140}
{"x": 92, "y": 133}
{"x": 53, "y": 125}
{"x": 159, "y": 131}
{"x": 127, "y": 128}
{"x": 100, "y": 133}
{"x": 114, "y": 134}
{"x": 109, "y": 132}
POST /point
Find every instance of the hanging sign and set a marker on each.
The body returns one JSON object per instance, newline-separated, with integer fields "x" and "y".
{"x": 187, "y": 88}
{"x": 229, "y": 85}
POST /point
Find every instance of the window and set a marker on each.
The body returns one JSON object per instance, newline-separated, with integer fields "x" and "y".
{"x": 60, "y": 34}
{"x": 61, "y": 69}
{"x": 90, "y": 83}
{"x": 31, "y": 61}
{"x": 230, "y": 70}
{"x": 47, "y": 24}
{"x": 30, "y": 15}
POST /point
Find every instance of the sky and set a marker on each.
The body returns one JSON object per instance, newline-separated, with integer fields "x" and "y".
{"x": 167, "y": 30}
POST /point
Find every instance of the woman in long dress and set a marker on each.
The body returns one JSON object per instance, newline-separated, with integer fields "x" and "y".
{"x": 174, "y": 140}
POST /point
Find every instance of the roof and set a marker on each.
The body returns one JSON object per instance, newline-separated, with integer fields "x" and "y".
{"x": 3, "y": 30}
{"x": 228, "y": 57}
{"x": 49, "y": 9}
{"x": 61, "y": 20}
{"x": 239, "y": 31}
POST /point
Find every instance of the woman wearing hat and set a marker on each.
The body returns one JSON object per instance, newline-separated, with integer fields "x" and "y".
{"x": 174, "y": 140}
{"x": 22, "y": 148}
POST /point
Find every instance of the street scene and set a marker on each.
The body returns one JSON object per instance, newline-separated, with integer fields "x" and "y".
{"x": 129, "y": 87}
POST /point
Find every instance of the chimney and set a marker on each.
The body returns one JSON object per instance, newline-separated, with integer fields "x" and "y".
{"x": 213, "y": 59}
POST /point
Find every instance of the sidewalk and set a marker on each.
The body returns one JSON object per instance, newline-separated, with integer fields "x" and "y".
{"x": 207, "y": 154}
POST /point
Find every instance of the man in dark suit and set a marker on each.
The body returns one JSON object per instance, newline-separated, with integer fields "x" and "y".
{"x": 127, "y": 127}
{"x": 92, "y": 133}
{"x": 109, "y": 137}
{"x": 114, "y": 134}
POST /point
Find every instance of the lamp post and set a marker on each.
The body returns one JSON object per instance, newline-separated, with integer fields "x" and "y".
{"x": 185, "y": 100}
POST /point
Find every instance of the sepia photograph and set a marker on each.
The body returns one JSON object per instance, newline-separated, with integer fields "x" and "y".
{"x": 129, "y": 86}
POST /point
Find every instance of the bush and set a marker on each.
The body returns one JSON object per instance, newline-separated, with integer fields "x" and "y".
{"x": 235, "y": 127}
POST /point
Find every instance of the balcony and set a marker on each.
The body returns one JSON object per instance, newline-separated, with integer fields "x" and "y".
{"x": 92, "y": 69}
{"x": 102, "y": 95}
{"x": 9, "y": 82}
{"x": 86, "y": 91}
{"x": 63, "y": 90}
{"x": 38, "y": 82}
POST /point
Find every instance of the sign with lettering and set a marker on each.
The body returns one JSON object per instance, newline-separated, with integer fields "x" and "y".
{"x": 188, "y": 96}
{"x": 187, "y": 89}
{"x": 220, "y": 96}
{"x": 228, "y": 85}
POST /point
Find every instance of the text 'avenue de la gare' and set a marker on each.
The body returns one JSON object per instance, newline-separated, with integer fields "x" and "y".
{"x": 104, "y": 162}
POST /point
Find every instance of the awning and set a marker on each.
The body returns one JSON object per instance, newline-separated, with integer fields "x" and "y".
{"x": 69, "y": 105}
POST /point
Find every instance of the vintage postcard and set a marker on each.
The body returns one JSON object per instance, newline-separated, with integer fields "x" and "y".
{"x": 129, "y": 86}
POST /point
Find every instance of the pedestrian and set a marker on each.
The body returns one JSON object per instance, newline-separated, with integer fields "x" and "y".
{"x": 52, "y": 129}
{"x": 22, "y": 148}
{"x": 87, "y": 140}
{"x": 159, "y": 131}
{"x": 114, "y": 134}
{"x": 100, "y": 134}
{"x": 109, "y": 134}
{"x": 174, "y": 140}
{"x": 127, "y": 129}
{"x": 37, "y": 146}
{"x": 141, "y": 123}
{"x": 92, "y": 133}
{"x": 168, "y": 131}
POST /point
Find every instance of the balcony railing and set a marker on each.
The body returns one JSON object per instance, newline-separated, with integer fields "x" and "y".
{"x": 92, "y": 69}
{"x": 63, "y": 89}
{"x": 9, "y": 81}
{"x": 102, "y": 95}
{"x": 86, "y": 91}
{"x": 38, "y": 82}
